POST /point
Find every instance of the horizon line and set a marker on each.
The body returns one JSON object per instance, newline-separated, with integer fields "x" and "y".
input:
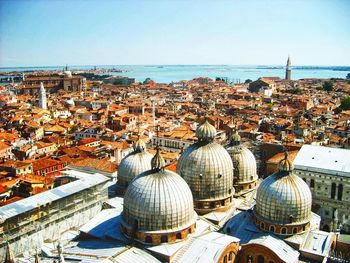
{"x": 95, "y": 65}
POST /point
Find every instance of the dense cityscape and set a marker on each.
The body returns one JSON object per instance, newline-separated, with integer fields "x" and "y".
{"x": 174, "y": 131}
{"x": 71, "y": 145}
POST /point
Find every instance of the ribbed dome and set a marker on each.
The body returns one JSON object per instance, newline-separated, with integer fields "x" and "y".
{"x": 206, "y": 132}
{"x": 134, "y": 163}
{"x": 284, "y": 198}
{"x": 244, "y": 164}
{"x": 208, "y": 170}
{"x": 159, "y": 201}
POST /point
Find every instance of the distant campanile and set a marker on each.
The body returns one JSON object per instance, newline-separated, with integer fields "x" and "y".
{"x": 42, "y": 97}
{"x": 288, "y": 69}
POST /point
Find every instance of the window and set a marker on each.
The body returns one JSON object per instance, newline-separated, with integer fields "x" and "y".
{"x": 178, "y": 236}
{"x": 272, "y": 228}
{"x": 164, "y": 239}
{"x": 261, "y": 259}
{"x": 340, "y": 192}
{"x": 333, "y": 190}
{"x": 312, "y": 183}
{"x": 283, "y": 230}
{"x": 295, "y": 230}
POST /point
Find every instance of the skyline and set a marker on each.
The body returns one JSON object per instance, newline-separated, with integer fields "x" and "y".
{"x": 35, "y": 33}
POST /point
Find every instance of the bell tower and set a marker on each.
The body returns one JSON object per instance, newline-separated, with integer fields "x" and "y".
{"x": 288, "y": 69}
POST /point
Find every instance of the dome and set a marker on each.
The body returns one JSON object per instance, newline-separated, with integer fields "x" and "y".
{"x": 67, "y": 73}
{"x": 134, "y": 164}
{"x": 158, "y": 201}
{"x": 244, "y": 164}
{"x": 284, "y": 198}
{"x": 206, "y": 131}
{"x": 207, "y": 168}
{"x": 70, "y": 103}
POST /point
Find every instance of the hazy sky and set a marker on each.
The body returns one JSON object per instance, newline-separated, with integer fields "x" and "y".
{"x": 77, "y": 32}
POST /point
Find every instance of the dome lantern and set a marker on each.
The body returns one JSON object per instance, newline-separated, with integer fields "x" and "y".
{"x": 235, "y": 139}
{"x": 139, "y": 145}
{"x": 158, "y": 163}
{"x": 285, "y": 165}
{"x": 206, "y": 132}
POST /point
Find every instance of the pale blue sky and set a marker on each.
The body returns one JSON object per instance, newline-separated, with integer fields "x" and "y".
{"x": 77, "y": 32}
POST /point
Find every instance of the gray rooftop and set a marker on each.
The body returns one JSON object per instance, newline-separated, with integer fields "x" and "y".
{"x": 84, "y": 181}
{"x": 323, "y": 159}
{"x": 242, "y": 227}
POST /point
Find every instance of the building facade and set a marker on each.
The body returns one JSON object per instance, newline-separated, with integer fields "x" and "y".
{"x": 25, "y": 224}
{"x": 327, "y": 172}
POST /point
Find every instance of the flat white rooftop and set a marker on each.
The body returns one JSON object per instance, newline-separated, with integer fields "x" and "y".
{"x": 323, "y": 159}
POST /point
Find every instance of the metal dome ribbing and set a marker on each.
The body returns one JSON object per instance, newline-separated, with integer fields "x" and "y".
{"x": 207, "y": 167}
{"x": 244, "y": 164}
{"x": 134, "y": 163}
{"x": 159, "y": 201}
{"x": 206, "y": 132}
{"x": 283, "y": 197}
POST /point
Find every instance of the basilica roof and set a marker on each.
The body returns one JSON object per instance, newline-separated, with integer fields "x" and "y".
{"x": 207, "y": 167}
{"x": 159, "y": 200}
{"x": 134, "y": 163}
{"x": 283, "y": 197}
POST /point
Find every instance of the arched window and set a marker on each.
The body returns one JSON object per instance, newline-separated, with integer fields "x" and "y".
{"x": 164, "y": 239}
{"x": 272, "y": 228}
{"x": 261, "y": 259}
{"x": 333, "y": 190}
{"x": 340, "y": 192}
{"x": 148, "y": 239}
{"x": 283, "y": 230}
{"x": 312, "y": 183}
{"x": 178, "y": 235}
{"x": 295, "y": 230}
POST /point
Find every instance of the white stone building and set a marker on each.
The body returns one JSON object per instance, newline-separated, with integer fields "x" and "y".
{"x": 327, "y": 172}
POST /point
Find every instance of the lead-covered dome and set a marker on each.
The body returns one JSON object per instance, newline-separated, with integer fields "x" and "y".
{"x": 158, "y": 206}
{"x": 134, "y": 164}
{"x": 207, "y": 168}
{"x": 244, "y": 164}
{"x": 283, "y": 198}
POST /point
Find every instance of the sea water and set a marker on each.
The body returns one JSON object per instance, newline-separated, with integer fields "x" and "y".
{"x": 233, "y": 73}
